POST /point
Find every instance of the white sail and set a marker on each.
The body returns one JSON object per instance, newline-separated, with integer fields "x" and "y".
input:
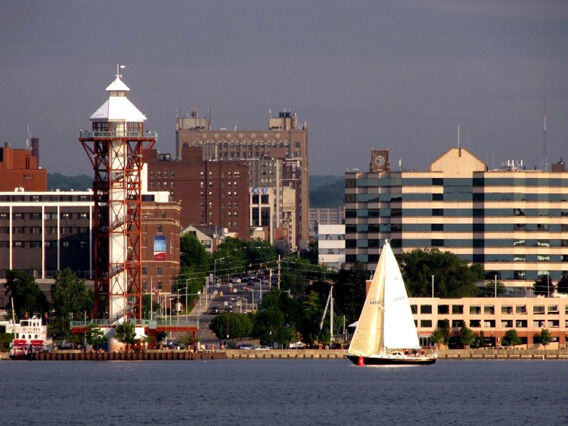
{"x": 399, "y": 329}
{"x": 367, "y": 339}
{"x": 386, "y": 320}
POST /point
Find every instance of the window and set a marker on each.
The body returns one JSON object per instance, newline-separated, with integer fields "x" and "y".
{"x": 521, "y": 309}
{"x": 160, "y": 228}
{"x": 425, "y": 309}
{"x": 475, "y": 310}
{"x": 507, "y": 310}
{"x": 521, "y": 323}
{"x": 66, "y": 215}
{"x": 538, "y": 310}
{"x": 65, "y": 244}
{"x": 426, "y": 323}
{"x": 457, "y": 309}
{"x": 489, "y": 310}
{"x": 414, "y": 309}
{"x": 443, "y": 309}
{"x": 457, "y": 323}
{"x": 159, "y": 270}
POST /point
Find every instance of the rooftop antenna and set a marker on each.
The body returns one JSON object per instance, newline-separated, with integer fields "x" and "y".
{"x": 28, "y": 137}
{"x": 459, "y": 142}
{"x": 118, "y": 68}
{"x": 544, "y": 147}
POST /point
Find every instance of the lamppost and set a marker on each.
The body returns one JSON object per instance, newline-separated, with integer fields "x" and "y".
{"x": 432, "y": 286}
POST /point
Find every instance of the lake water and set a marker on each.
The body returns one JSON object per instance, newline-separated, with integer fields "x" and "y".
{"x": 286, "y": 392}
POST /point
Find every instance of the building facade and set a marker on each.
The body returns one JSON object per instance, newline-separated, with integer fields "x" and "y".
{"x": 276, "y": 157}
{"x": 331, "y": 245}
{"x": 210, "y": 192}
{"x": 493, "y": 317}
{"x": 19, "y": 168}
{"x": 513, "y": 222}
{"x": 44, "y": 232}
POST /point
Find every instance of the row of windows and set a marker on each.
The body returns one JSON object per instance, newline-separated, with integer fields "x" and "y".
{"x": 447, "y": 212}
{"x": 456, "y": 227}
{"x": 489, "y": 309}
{"x": 322, "y": 251}
{"x": 466, "y": 195}
{"x": 43, "y": 198}
{"x": 46, "y": 216}
{"x": 427, "y": 242}
{"x": 48, "y": 229}
{"x": 449, "y": 182}
{"x": 508, "y": 323}
{"x": 47, "y": 244}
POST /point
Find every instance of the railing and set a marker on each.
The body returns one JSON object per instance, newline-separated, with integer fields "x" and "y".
{"x": 85, "y": 134}
{"x": 169, "y": 321}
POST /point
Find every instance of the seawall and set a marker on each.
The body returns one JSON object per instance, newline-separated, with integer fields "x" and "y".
{"x": 177, "y": 355}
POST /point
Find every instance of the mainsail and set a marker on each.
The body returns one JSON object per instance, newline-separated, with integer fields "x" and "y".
{"x": 386, "y": 320}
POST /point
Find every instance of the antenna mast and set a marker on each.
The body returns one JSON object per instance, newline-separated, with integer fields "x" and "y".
{"x": 544, "y": 146}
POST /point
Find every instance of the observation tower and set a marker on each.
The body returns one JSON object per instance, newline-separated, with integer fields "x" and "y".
{"x": 115, "y": 146}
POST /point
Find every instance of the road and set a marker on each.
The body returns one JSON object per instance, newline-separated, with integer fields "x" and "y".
{"x": 235, "y": 297}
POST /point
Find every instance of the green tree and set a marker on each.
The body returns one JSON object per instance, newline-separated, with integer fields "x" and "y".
{"x": 28, "y": 298}
{"x": 5, "y": 341}
{"x": 445, "y": 332}
{"x": 229, "y": 325}
{"x": 562, "y": 285}
{"x": 231, "y": 256}
{"x": 511, "y": 338}
{"x": 95, "y": 336}
{"x": 544, "y": 336}
{"x": 126, "y": 333}
{"x": 466, "y": 337}
{"x": 453, "y": 277}
{"x": 489, "y": 289}
{"x": 350, "y": 291}
{"x": 193, "y": 254}
{"x": 69, "y": 299}
{"x": 436, "y": 338}
{"x": 147, "y": 305}
{"x": 543, "y": 286}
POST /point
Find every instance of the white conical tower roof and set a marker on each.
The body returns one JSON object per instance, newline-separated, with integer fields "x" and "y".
{"x": 118, "y": 107}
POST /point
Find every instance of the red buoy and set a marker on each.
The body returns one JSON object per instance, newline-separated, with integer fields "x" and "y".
{"x": 360, "y": 362}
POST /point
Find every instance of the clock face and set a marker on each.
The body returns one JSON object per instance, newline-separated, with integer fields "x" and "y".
{"x": 379, "y": 160}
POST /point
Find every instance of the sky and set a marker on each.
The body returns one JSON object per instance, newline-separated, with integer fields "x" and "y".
{"x": 398, "y": 75}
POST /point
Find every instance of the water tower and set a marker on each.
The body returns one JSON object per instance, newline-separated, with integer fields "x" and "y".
{"x": 115, "y": 145}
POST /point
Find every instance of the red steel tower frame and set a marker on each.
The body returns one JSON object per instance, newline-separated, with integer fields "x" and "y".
{"x": 116, "y": 147}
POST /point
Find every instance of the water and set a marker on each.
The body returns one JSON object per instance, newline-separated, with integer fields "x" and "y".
{"x": 287, "y": 392}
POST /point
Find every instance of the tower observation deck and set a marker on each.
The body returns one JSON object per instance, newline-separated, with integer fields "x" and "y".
{"x": 115, "y": 146}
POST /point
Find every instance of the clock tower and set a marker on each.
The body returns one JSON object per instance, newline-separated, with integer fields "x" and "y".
{"x": 379, "y": 161}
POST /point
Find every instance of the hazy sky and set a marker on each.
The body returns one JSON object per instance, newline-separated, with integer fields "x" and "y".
{"x": 386, "y": 74}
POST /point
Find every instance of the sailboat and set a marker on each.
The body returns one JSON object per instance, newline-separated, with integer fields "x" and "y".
{"x": 385, "y": 332}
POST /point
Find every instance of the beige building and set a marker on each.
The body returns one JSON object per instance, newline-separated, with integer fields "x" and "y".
{"x": 494, "y": 317}
{"x": 512, "y": 221}
{"x": 277, "y": 157}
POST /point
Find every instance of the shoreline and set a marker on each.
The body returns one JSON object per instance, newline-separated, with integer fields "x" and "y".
{"x": 181, "y": 355}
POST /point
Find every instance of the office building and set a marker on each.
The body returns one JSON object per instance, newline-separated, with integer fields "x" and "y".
{"x": 331, "y": 246}
{"x": 44, "y": 232}
{"x": 512, "y": 221}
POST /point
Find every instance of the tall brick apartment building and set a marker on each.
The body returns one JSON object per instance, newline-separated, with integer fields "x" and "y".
{"x": 211, "y": 192}
{"x": 276, "y": 157}
{"x": 19, "y": 168}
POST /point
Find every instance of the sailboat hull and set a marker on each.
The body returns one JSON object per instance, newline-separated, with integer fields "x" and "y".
{"x": 394, "y": 360}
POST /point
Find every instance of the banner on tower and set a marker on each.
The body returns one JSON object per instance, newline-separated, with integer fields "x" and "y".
{"x": 159, "y": 247}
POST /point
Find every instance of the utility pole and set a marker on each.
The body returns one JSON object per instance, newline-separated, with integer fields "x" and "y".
{"x": 432, "y": 286}
{"x": 278, "y": 272}
{"x": 331, "y": 315}
{"x": 495, "y": 285}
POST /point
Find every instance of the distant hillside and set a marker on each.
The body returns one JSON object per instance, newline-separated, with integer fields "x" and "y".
{"x": 327, "y": 191}
{"x": 65, "y": 183}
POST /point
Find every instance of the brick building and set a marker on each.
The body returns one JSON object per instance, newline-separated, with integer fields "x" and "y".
{"x": 19, "y": 168}
{"x": 276, "y": 157}
{"x": 43, "y": 232}
{"x": 210, "y": 192}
